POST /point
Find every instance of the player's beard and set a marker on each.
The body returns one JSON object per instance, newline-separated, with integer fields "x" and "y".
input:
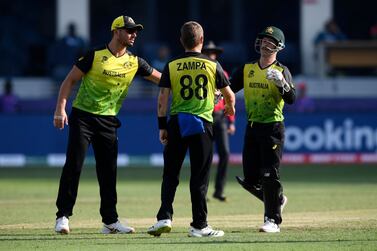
{"x": 127, "y": 42}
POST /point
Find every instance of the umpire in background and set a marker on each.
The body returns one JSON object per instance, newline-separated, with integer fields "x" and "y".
{"x": 222, "y": 126}
{"x": 192, "y": 79}
{"x": 267, "y": 86}
{"x": 106, "y": 74}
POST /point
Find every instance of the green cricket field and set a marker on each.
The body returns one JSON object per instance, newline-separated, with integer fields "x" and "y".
{"x": 331, "y": 207}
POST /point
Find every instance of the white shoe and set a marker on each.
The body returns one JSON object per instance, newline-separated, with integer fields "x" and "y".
{"x": 117, "y": 228}
{"x": 62, "y": 225}
{"x": 269, "y": 226}
{"x": 205, "y": 232}
{"x": 162, "y": 226}
{"x": 283, "y": 203}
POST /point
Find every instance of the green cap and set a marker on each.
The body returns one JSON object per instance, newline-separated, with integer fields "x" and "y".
{"x": 274, "y": 33}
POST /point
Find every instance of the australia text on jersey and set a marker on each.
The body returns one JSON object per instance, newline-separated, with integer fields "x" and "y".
{"x": 258, "y": 85}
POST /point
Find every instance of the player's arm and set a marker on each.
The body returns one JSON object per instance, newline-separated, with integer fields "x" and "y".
{"x": 222, "y": 83}
{"x": 60, "y": 115}
{"x": 147, "y": 71}
{"x": 283, "y": 80}
{"x": 81, "y": 67}
{"x": 154, "y": 77}
{"x": 290, "y": 96}
{"x": 236, "y": 80}
{"x": 162, "y": 105}
{"x": 162, "y": 110}
{"x": 230, "y": 100}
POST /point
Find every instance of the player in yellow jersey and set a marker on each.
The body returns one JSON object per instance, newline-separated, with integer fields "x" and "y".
{"x": 192, "y": 80}
{"x": 267, "y": 86}
{"x": 106, "y": 74}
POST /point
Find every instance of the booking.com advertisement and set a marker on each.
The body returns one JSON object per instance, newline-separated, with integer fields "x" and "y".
{"x": 309, "y": 138}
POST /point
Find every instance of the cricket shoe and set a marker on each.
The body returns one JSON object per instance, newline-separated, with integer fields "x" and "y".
{"x": 162, "y": 226}
{"x": 219, "y": 197}
{"x": 117, "y": 228}
{"x": 62, "y": 225}
{"x": 269, "y": 226}
{"x": 284, "y": 202}
{"x": 205, "y": 232}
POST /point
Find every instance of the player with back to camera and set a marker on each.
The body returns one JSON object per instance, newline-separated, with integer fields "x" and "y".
{"x": 222, "y": 126}
{"x": 192, "y": 79}
{"x": 106, "y": 74}
{"x": 267, "y": 86}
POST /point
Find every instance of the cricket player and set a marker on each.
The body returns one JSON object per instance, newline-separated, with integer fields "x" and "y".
{"x": 105, "y": 73}
{"x": 191, "y": 79}
{"x": 267, "y": 86}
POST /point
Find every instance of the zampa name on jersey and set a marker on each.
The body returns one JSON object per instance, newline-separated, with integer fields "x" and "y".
{"x": 194, "y": 65}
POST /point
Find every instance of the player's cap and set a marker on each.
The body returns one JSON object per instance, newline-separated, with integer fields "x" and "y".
{"x": 210, "y": 47}
{"x": 127, "y": 22}
{"x": 274, "y": 33}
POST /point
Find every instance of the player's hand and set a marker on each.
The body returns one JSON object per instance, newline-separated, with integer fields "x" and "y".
{"x": 278, "y": 79}
{"x": 218, "y": 96}
{"x": 229, "y": 110}
{"x": 163, "y": 136}
{"x": 231, "y": 129}
{"x": 276, "y": 76}
{"x": 60, "y": 119}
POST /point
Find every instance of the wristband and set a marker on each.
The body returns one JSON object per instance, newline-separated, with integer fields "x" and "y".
{"x": 162, "y": 122}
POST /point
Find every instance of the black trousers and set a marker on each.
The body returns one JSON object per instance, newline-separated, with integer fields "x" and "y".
{"x": 262, "y": 153}
{"x": 100, "y": 131}
{"x": 200, "y": 149}
{"x": 221, "y": 139}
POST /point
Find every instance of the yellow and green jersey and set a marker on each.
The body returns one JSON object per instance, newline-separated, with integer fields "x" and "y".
{"x": 264, "y": 101}
{"x": 107, "y": 79}
{"x": 193, "y": 79}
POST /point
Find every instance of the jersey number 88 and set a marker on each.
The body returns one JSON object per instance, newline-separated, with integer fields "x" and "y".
{"x": 200, "y": 90}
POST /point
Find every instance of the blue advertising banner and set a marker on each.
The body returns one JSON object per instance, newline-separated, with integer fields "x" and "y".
{"x": 315, "y": 137}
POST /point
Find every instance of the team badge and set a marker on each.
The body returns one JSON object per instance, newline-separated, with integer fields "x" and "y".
{"x": 127, "y": 65}
{"x": 104, "y": 59}
{"x": 269, "y": 30}
{"x": 251, "y": 74}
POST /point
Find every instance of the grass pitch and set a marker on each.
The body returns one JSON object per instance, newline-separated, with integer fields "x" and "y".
{"x": 329, "y": 208}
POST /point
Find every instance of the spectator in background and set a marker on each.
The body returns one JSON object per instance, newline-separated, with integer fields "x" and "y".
{"x": 65, "y": 52}
{"x": 222, "y": 126}
{"x": 8, "y": 101}
{"x": 303, "y": 102}
{"x": 331, "y": 33}
{"x": 163, "y": 56}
